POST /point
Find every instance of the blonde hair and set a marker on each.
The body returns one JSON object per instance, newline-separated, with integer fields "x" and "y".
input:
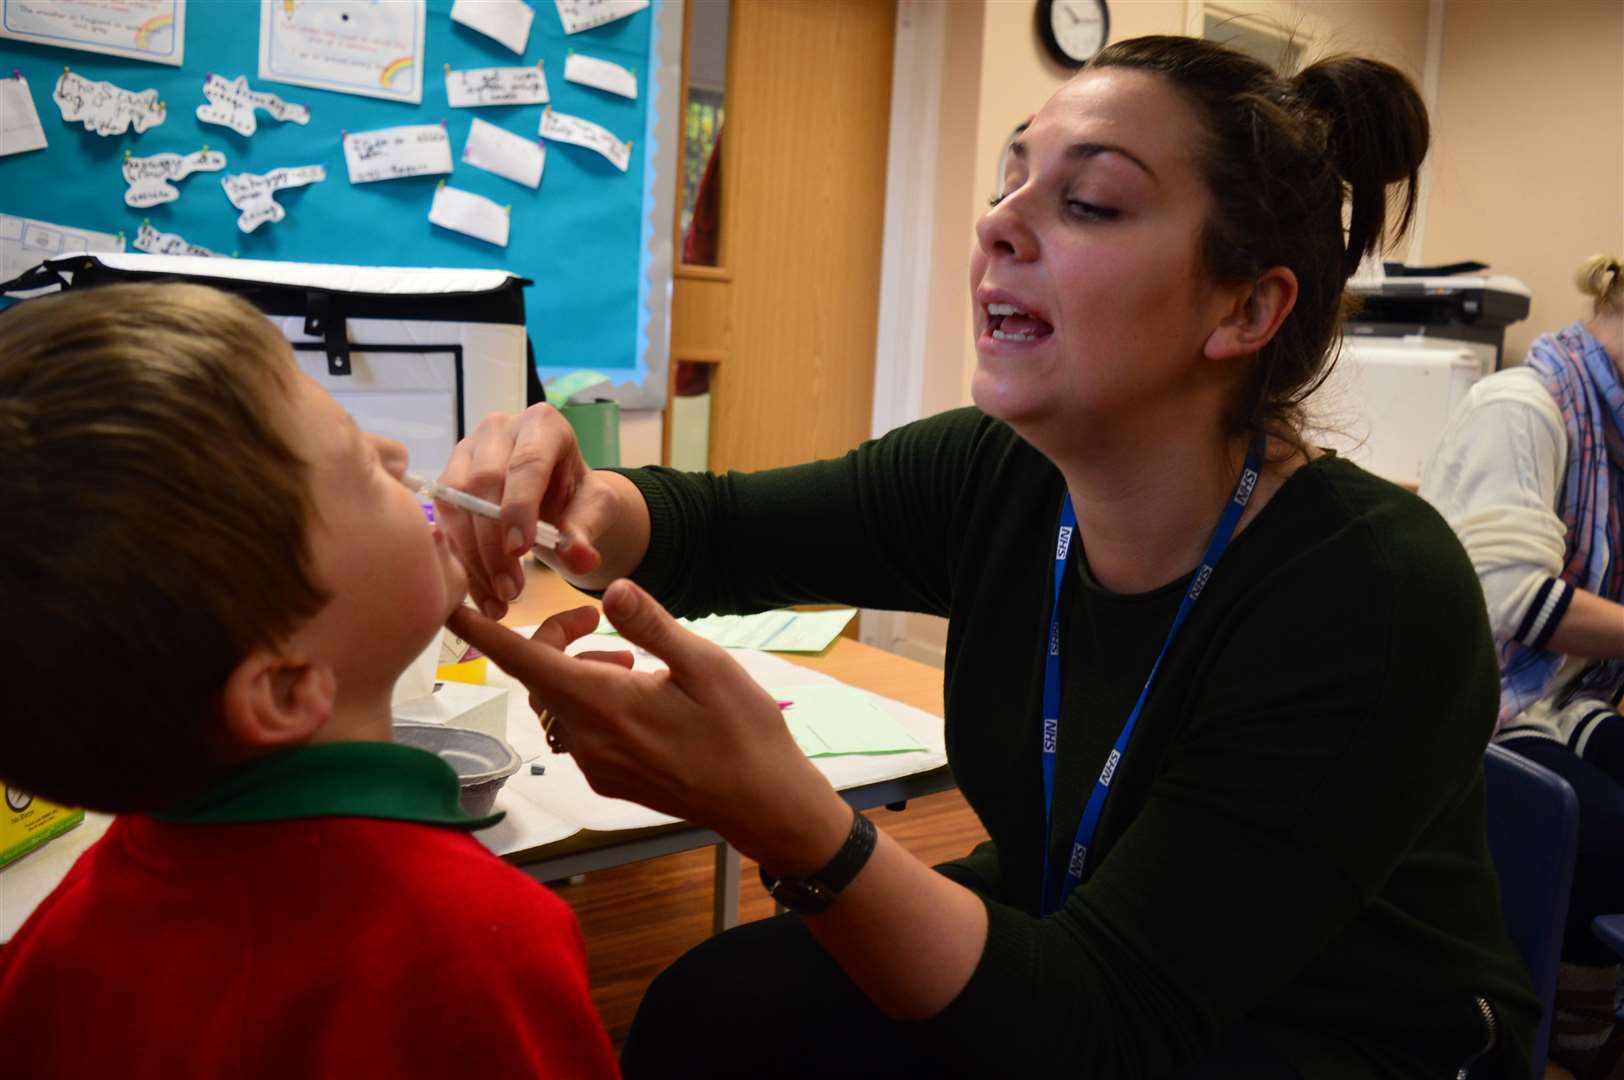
{"x": 1601, "y": 277}
{"x": 155, "y": 534}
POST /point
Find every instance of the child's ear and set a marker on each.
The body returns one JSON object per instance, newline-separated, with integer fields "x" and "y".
{"x": 1255, "y": 316}
{"x": 271, "y": 702}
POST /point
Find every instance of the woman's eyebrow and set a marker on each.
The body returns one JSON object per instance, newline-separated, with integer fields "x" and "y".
{"x": 1087, "y": 150}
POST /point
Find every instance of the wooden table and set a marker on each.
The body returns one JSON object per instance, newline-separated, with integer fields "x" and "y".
{"x": 852, "y": 662}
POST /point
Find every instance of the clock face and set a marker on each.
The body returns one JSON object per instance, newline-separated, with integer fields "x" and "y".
{"x": 1078, "y": 29}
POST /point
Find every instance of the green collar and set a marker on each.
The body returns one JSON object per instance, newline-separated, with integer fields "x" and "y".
{"x": 347, "y": 779}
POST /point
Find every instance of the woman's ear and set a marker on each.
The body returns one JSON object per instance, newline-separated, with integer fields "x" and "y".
{"x": 271, "y": 702}
{"x": 1254, "y": 317}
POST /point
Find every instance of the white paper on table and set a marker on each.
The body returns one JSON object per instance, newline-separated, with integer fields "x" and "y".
{"x": 499, "y": 151}
{"x": 150, "y": 30}
{"x": 104, "y": 108}
{"x": 578, "y": 15}
{"x": 464, "y": 212}
{"x": 149, "y": 177}
{"x": 601, "y": 75}
{"x": 347, "y": 46}
{"x": 507, "y": 21}
{"x": 20, "y": 128}
{"x": 27, "y": 242}
{"x": 397, "y": 152}
{"x": 472, "y": 87}
{"x": 561, "y": 127}
{"x": 153, "y": 242}
{"x": 232, "y": 104}
{"x": 252, "y": 193}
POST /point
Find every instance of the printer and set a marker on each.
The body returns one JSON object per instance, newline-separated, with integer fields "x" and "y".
{"x": 1415, "y": 345}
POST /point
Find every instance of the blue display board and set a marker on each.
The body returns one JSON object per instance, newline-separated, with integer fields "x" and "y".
{"x": 583, "y": 237}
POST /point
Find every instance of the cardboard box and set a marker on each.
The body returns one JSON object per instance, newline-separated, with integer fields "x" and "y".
{"x": 27, "y": 822}
{"x": 464, "y": 705}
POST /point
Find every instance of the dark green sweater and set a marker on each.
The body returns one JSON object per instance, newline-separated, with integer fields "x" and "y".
{"x": 1295, "y": 838}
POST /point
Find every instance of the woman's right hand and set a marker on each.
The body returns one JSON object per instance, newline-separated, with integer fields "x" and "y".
{"x": 532, "y": 466}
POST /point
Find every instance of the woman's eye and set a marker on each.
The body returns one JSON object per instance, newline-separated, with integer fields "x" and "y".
{"x": 996, "y": 199}
{"x": 1089, "y": 211}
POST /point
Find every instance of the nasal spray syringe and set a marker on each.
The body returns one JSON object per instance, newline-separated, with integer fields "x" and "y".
{"x": 546, "y": 535}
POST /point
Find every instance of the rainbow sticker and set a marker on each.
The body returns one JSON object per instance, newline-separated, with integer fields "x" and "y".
{"x": 143, "y": 36}
{"x": 394, "y": 67}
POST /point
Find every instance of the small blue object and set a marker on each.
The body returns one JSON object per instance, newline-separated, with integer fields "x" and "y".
{"x": 537, "y": 769}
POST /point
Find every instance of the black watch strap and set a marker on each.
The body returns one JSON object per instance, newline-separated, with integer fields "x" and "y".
{"x": 811, "y": 895}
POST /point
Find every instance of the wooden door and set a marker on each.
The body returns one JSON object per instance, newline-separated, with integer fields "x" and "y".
{"x": 789, "y": 317}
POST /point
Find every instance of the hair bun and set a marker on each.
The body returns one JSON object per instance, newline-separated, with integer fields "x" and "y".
{"x": 1598, "y": 275}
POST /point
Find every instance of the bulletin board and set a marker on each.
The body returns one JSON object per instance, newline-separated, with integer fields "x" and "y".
{"x": 595, "y": 241}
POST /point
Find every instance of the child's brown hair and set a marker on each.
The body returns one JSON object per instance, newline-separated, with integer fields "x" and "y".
{"x": 155, "y": 533}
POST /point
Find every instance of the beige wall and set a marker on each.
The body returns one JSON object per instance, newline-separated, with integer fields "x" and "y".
{"x": 1528, "y": 168}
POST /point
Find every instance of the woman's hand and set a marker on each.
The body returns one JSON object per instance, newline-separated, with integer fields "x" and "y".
{"x": 701, "y": 741}
{"x": 532, "y": 466}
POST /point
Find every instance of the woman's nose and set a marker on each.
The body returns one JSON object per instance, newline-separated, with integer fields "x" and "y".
{"x": 1003, "y": 232}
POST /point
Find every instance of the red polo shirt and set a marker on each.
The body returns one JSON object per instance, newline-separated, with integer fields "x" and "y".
{"x": 324, "y": 912}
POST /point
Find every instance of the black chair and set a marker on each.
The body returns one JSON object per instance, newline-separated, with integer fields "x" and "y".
{"x": 1533, "y": 828}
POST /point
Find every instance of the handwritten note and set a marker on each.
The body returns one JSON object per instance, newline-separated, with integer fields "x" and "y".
{"x": 149, "y": 177}
{"x": 396, "y": 153}
{"x": 600, "y": 75}
{"x": 561, "y": 127}
{"x": 499, "y": 151}
{"x": 26, "y": 242}
{"x": 153, "y": 242}
{"x": 150, "y": 30}
{"x": 104, "y": 108}
{"x": 578, "y": 15}
{"x": 252, "y": 193}
{"x": 19, "y": 122}
{"x": 232, "y": 104}
{"x": 508, "y": 21}
{"x": 348, "y": 46}
{"x": 473, "y": 87}
{"x": 474, "y": 215}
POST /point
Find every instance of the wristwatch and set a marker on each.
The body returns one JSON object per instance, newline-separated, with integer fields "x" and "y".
{"x": 811, "y": 895}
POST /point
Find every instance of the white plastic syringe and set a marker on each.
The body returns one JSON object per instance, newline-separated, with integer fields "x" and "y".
{"x": 546, "y": 535}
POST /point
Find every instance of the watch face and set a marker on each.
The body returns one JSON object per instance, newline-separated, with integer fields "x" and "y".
{"x": 1079, "y": 28}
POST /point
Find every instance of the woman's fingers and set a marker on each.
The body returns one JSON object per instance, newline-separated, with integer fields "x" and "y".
{"x": 458, "y": 527}
{"x": 566, "y": 626}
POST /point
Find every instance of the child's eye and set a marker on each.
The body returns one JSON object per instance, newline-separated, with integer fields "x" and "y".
{"x": 997, "y": 198}
{"x": 1089, "y": 211}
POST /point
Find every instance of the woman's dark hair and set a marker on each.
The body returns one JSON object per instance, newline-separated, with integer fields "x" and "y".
{"x": 1282, "y": 155}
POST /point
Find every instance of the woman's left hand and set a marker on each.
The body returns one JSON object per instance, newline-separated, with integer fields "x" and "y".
{"x": 701, "y": 741}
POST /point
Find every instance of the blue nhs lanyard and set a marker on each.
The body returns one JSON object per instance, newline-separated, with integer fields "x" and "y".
{"x": 1052, "y": 897}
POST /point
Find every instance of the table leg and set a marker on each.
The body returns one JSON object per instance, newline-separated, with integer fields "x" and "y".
{"x": 726, "y": 899}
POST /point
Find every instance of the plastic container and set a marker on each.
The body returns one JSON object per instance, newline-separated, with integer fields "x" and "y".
{"x": 482, "y": 763}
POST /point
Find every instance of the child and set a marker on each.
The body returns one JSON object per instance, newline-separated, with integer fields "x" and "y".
{"x": 212, "y": 580}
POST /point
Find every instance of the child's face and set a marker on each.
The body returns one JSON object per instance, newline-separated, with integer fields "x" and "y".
{"x": 391, "y": 574}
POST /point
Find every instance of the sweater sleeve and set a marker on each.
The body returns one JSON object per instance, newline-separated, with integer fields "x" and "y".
{"x": 1329, "y": 738}
{"x": 874, "y": 528}
{"x": 1496, "y": 478}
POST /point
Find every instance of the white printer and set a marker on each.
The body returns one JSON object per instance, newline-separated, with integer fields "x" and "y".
{"x": 1414, "y": 347}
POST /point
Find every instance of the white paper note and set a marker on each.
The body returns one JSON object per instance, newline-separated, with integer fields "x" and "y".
{"x": 153, "y": 242}
{"x": 26, "y": 242}
{"x": 104, "y": 108}
{"x": 396, "y": 153}
{"x": 19, "y": 122}
{"x": 500, "y": 151}
{"x": 508, "y": 21}
{"x": 251, "y": 193}
{"x": 150, "y": 30}
{"x": 475, "y": 215}
{"x": 348, "y": 46}
{"x": 561, "y": 127}
{"x": 600, "y": 75}
{"x": 578, "y": 15}
{"x": 473, "y": 87}
{"x": 149, "y": 177}
{"x": 232, "y": 104}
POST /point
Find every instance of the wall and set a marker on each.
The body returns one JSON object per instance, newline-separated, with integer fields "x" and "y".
{"x": 1529, "y": 167}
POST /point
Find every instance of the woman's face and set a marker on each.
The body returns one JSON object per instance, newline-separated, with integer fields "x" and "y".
{"x": 1091, "y": 306}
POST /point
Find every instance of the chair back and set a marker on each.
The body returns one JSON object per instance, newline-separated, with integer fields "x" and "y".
{"x": 1533, "y": 828}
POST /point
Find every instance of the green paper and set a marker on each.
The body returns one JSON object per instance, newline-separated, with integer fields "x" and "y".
{"x": 771, "y": 631}
{"x": 827, "y": 719}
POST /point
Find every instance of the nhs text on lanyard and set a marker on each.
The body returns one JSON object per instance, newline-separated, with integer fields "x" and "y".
{"x": 1054, "y": 894}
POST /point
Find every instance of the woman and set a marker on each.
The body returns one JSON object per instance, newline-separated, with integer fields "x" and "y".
{"x": 1289, "y": 875}
{"x": 1530, "y": 474}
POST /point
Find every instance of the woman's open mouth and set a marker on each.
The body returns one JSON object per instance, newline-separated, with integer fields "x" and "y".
{"x": 1006, "y": 322}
